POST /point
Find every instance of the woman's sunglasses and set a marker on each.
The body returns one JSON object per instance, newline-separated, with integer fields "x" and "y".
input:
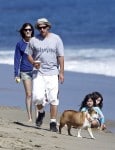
{"x": 28, "y": 30}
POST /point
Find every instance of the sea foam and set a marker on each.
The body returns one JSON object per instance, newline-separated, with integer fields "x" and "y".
{"x": 94, "y": 61}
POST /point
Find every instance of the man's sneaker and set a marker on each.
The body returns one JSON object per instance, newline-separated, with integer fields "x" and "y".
{"x": 39, "y": 119}
{"x": 53, "y": 127}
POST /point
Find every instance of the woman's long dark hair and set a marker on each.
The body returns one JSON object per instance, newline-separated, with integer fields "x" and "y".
{"x": 86, "y": 98}
{"x": 23, "y": 27}
{"x": 97, "y": 95}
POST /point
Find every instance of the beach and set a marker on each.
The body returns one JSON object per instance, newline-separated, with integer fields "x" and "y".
{"x": 16, "y": 133}
{"x": 88, "y": 36}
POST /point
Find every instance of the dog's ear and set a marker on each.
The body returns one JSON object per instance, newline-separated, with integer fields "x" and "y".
{"x": 90, "y": 110}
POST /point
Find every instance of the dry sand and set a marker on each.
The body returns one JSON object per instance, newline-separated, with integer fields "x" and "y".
{"x": 18, "y": 134}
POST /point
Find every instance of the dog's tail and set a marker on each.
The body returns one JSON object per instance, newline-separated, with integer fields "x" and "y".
{"x": 62, "y": 117}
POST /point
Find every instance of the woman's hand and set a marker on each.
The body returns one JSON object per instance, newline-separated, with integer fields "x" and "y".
{"x": 103, "y": 127}
{"x": 17, "y": 79}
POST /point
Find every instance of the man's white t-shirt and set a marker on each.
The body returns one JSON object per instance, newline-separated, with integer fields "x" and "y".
{"x": 46, "y": 50}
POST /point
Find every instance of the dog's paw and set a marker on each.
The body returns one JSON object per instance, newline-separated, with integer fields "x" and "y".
{"x": 79, "y": 136}
{"x": 70, "y": 134}
{"x": 93, "y": 138}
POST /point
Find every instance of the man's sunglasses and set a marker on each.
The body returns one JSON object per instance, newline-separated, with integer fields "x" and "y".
{"x": 44, "y": 27}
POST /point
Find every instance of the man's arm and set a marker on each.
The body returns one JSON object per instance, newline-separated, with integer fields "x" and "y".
{"x": 61, "y": 71}
{"x": 33, "y": 62}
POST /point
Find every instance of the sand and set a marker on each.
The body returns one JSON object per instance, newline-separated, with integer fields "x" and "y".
{"x": 16, "y": 133}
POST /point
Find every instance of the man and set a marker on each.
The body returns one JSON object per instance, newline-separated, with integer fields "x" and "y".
{"x": 47, "y": 48}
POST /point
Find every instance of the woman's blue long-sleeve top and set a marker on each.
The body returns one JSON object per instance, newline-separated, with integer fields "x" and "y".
{"x": 21, "y": 62}
{"x": 99, "y": 112}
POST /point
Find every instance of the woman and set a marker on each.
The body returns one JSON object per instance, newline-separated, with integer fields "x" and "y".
{"x": 97, "y": 96}
{"x": 89, "y": 103}
{"x": 22, "y": 67}
{"x": 98, "y": 99}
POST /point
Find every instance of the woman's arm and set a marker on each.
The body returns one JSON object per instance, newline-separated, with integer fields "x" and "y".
{"x": 101, "y": 117}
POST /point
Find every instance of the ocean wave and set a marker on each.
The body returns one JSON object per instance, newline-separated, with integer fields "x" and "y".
{"x": 94, "y": 61}
{"x": 7, "y": 57}
{"x": 93, "y": 67}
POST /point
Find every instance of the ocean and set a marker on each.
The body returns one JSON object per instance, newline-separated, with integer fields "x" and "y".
{"x": 87, "y": 29}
